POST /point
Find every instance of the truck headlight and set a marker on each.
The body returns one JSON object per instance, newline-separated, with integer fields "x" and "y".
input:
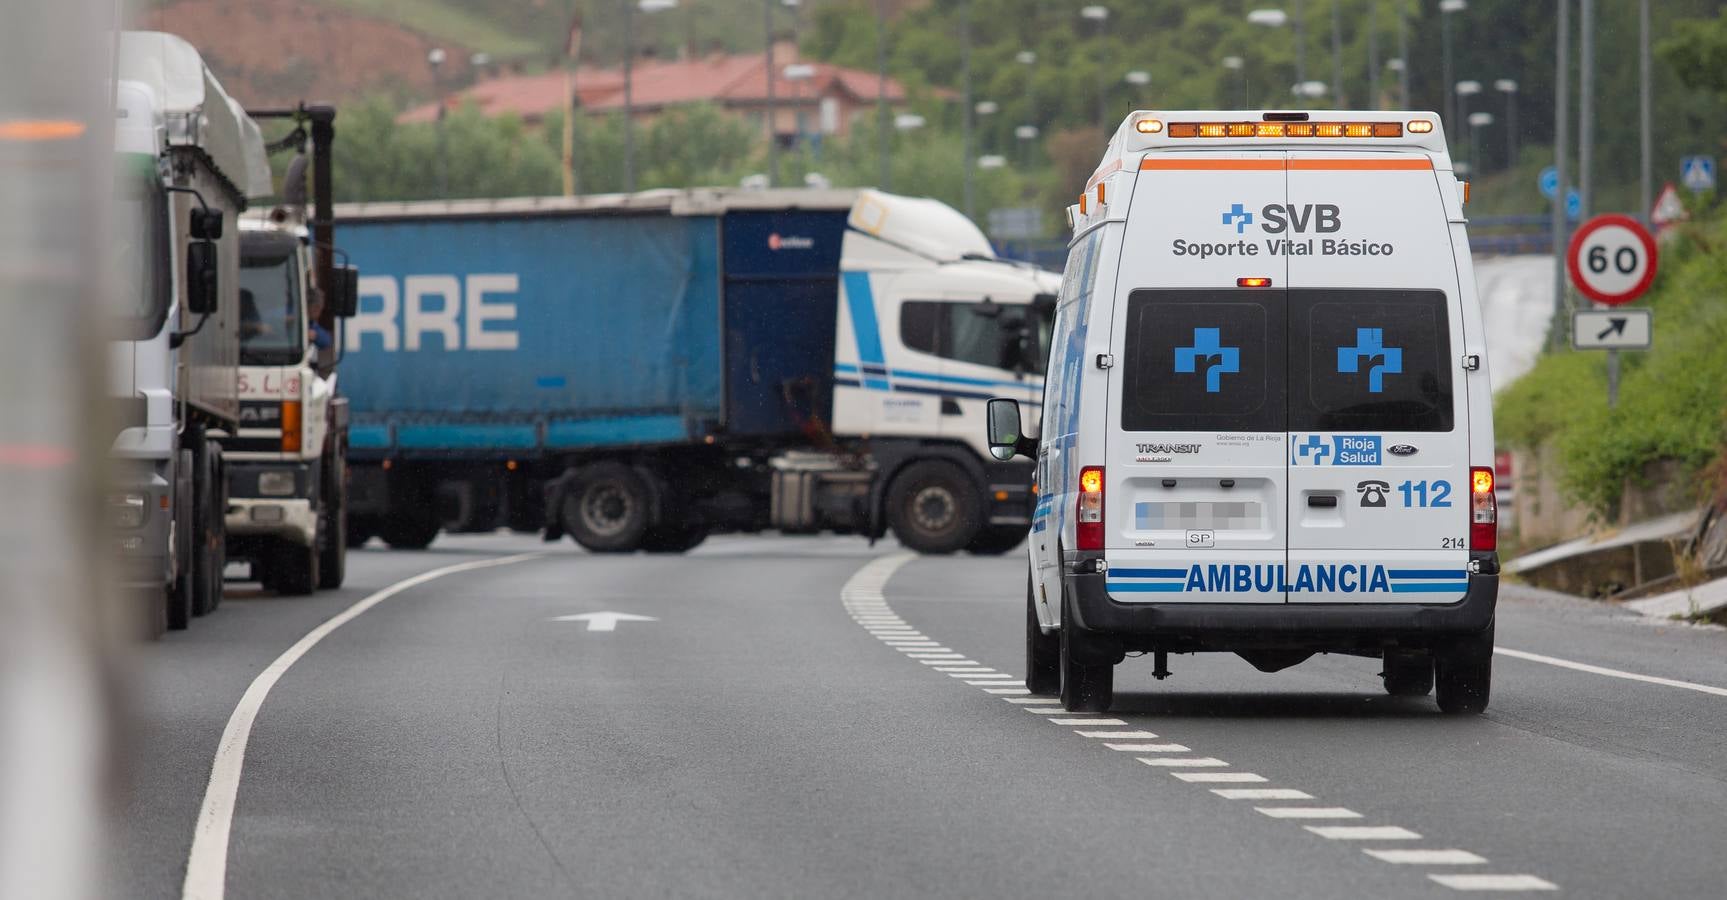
{"x": 276, "y": 484}
{"x": 127, "y": 510}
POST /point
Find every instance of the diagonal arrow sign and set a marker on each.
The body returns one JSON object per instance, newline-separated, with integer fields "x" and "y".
{"x": 604, "y": 621}
{"x": 1615, "y": 325}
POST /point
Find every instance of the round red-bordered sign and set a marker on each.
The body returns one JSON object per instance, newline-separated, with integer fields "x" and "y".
{"x": 1612, "y": 259}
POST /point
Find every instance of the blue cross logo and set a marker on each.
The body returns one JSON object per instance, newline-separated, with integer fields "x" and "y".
{"x": 1370, "y": 346}
{"x": 1208, "y": 346}
{"x": 1314, "y": 449}
{"x": 1239, "y": 217}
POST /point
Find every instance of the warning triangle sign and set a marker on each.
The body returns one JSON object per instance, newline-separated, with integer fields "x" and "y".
{"x": 1668, "y": 208}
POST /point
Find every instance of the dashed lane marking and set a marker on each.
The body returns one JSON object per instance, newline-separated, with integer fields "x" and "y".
{"x": 1363, "y": 832}
{"x": 1427, "y": 857}
{"x": 207, "y": 866}
{"x": 1307, "y": 812}
{"x": 1495, "y": 882}
{"x": 862, "y": 597}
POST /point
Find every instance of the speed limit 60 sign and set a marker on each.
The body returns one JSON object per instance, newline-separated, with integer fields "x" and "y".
{"x": 1612, "y": 259}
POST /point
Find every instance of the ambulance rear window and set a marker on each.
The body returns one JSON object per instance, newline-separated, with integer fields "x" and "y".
{"x": 1369, "y": 360}
{"x": 1202, "y": 360}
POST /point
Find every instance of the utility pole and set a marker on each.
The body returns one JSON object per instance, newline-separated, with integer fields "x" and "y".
{"x": 629, "y": 102}
{"x": 1586, "y": 108}
{"x": 1336, "y": 55}
{"x": 773, "y": 107}
{"x": 965, "y": 79}
{"x": 1373, "y": 54}
{"x": 881, "y": 88}
{"x": 1300, "y": 44}
{"x": 1403, "y": 54}
{"x": 1556, "y": 332}
{"x": 1646, "y": 183}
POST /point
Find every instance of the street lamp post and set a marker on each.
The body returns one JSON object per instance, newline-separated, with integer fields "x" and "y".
{"x": 1028, "y": 59}
{"x": 1272, "y": 18}
{"x": 1477, "y": 121}
{"x": 881, "y": 91}
{"x": 1402, "y": 58}
{"x": 1239, "y": 66}
{"x": 1098, "y": 15}
{"x": 1139, "y": 78}
{"x": 1464, "y": 90}
{"x": 1446, "y": 9}
{"x": 1509, "y": 88}
{"x": 435, "y": 58}
{"x": 1336, "y": 53}
{"x": 773, "y": 105}
{"x": 1026, "y": 134}
{"x": 966, "y": 113}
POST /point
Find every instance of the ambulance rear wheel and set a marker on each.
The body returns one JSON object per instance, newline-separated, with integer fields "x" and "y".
{"x": 1042, "y": 651}
{"x": 1463, "y": 674}
{"x": 1408, "y": 674}
{"x": 933, "y": 507}
{"x": 1084, "y": 687}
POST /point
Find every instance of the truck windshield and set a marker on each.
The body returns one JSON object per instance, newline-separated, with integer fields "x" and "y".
{"x": 271, "y": 330}
{"x": 139, "y": 251}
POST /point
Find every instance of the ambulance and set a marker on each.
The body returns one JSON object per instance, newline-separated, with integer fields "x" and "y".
{"x": 1266, "y": 424}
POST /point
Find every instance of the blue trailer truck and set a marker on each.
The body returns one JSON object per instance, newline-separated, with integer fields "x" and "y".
{"x": 639, "y": 371}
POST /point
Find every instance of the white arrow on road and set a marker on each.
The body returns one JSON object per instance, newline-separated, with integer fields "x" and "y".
{"x": 605, "y": 621}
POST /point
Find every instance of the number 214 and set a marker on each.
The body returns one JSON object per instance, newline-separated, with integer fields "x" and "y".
{"x": 1434, "y": 494}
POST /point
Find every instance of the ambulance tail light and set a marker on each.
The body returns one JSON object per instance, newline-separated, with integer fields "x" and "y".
{"x": 1281, "y": 126}
{"x": 1089, "y": 534}
{"x": 1256, "y": 281}
{"x": 1483, "y": 510}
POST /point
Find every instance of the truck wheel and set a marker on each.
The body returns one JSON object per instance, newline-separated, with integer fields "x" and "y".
{"x": 1464, "y": 674}
{"x": 606, "y": 508}
{"x": 294, "y": 571}
{"x": 1407, "y": 674}
{"x": 410, "y": 531}
{"x": 209, "y": 531}
{"x": 664, "y": 539}
{"x": 1084, "y": 688}
{"x": 333, "y": 532}
{"x": 932, "y": 507}
{"x": 994, "y": 540}
{"x": 1042, "y": 651}
{"x": 360, "y": 530}
{"x": 185, "y": 549}
{"x": 178, "y": 603}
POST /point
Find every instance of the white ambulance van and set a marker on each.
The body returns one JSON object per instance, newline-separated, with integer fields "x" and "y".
{"x": 1266, "y": 428}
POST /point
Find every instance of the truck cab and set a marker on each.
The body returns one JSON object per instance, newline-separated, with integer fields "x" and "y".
{"x": 286, "y": 463}
{"x": 1268, "y": 427}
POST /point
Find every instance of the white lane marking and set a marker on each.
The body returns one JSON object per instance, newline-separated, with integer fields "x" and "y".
{"x": 1262, "y": 794}
{"x": 993, "y": 682}
{"x": 1307, "y": 812}
{"x": 1116, "y": 735}
{"x": 1611, "y": 673}
{"x": 1060, "y": 711}
{"x": 1006, "y": 690}
{"x": 1220, "y": 777}
{"x": 1363, "y": 832}
{"x": 967, "y": 671}
{"x": 925, "y": 654}
{"x": 1184, "y": 762}
{"x": 1149, "y": 748}
{"x": 1086, "y": 721}
{"x": 1495, "y": 882}
{"x": 949, "y": 662}
{"x": 1040, "y": 700}
{"x": 1427, "y": 857}
{"x": 207, "y": 865}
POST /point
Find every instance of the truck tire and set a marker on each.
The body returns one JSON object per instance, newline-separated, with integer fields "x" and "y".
{"x": 668, "y": 539}
{"x": 933, "y": 507}
{"x": 1042, "y": 651}
{"x": 1463, "y": 674}
{"x": 360, "y": 530}
{"x": 209, "y": 530}
{"x": 1084, "y": 687}
{"x": 606, "y": 508}
{"x": 994, "y": 540}
{"x": 179, "y": 596}
{"x": 294, "y": 570}
{"x": 413, "y": 530}
{"x": 1408, "y": 674}
{"x": 333, "y": 529}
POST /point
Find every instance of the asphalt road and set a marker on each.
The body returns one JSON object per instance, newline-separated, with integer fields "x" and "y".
{"x": 763, "y": 736}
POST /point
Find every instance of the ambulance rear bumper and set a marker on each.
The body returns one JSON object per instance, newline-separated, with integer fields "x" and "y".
{"x": 1187, "y": 627}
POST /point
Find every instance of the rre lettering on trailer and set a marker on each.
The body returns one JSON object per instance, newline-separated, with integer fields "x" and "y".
{"x": 454, "y": 309}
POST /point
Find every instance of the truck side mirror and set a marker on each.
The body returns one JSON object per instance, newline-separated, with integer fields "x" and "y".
{"x": 206, "y": 224}
{"x": 202, "y": 278}
{"x": 346, "y": 295}
{"x": 1005, "y": 440}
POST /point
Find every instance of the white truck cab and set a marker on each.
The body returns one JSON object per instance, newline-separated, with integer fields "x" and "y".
{"x": 1267, "y": 424}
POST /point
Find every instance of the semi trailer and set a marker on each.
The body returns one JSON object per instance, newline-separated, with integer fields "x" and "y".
{"x": 639, "y": 371}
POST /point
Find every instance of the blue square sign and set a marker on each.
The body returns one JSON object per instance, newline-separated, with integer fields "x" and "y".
{"x": 1697, "y": 173}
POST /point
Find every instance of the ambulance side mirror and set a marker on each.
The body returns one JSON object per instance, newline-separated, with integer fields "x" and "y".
{"x": 1005, "y": 439}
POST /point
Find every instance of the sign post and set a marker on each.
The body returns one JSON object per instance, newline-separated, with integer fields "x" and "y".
{"x": 1612, "y": 261}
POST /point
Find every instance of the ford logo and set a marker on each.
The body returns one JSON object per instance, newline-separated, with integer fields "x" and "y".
{"x": 1404, "y": 450}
